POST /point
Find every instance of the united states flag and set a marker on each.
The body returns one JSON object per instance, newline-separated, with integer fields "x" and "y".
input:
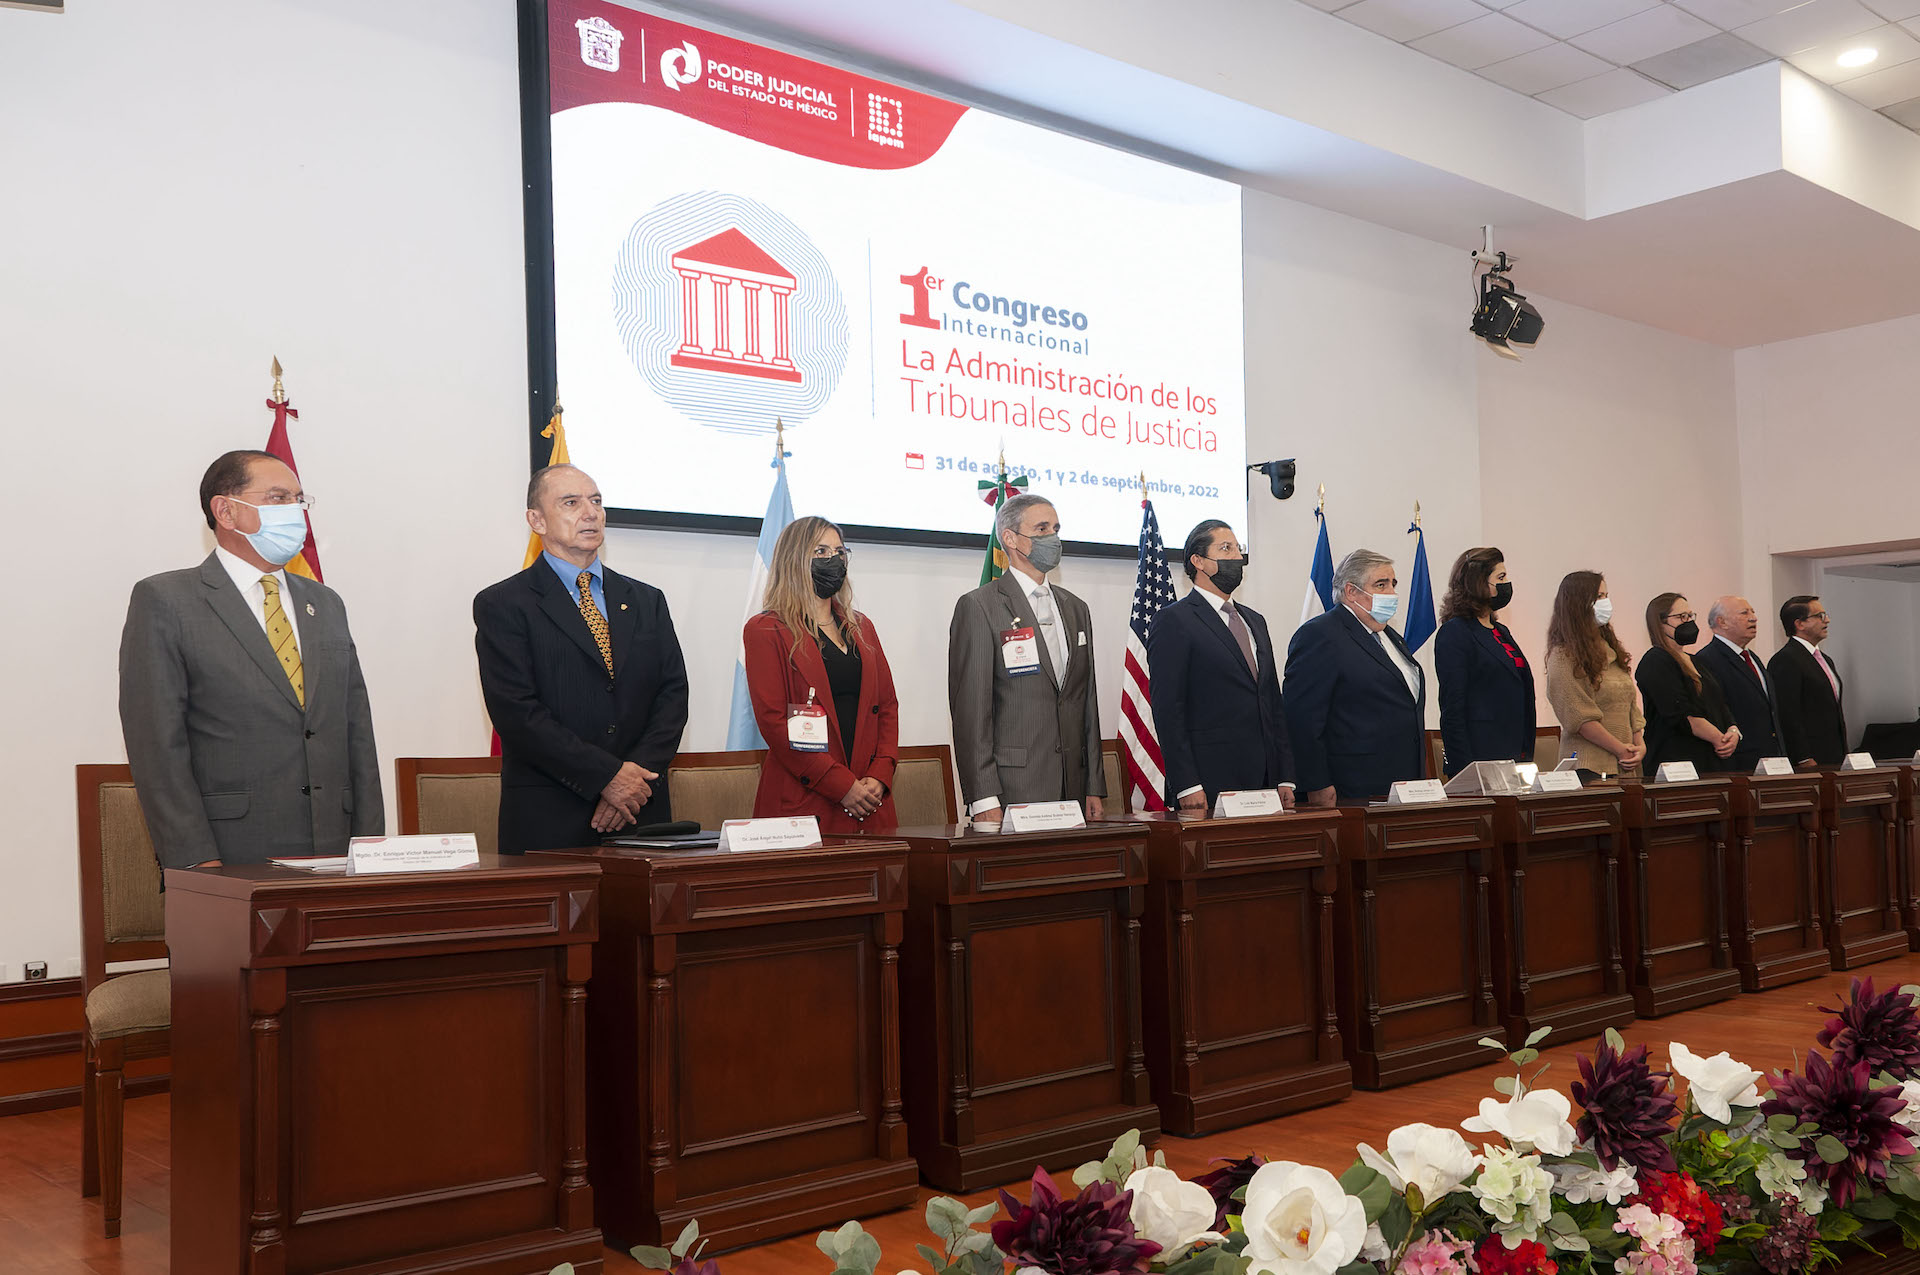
{"x": 1139, "y": 745}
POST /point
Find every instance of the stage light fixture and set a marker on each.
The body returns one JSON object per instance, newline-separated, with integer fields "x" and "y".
{"x": 1502, "y": 316}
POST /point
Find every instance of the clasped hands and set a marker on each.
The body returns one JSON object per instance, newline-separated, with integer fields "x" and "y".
{"x": 863, "y": 798}
{"x": 621, "y": 801}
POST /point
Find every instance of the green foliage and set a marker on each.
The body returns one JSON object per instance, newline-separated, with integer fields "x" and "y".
{"x": 660, "y": 1259}
{"x": 1370, "y": 1188}
{"x": 1122, "y": 1159}
{"x": 853, "y": 1251}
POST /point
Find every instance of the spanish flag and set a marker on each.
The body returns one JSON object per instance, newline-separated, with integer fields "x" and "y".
{"x": 307, "y": 561}
{"x": 558, "y": 433}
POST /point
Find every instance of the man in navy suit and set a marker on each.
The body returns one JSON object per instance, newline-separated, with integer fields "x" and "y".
{"x": 1743, "y": 679}
{"x": 583, "y": 677}
{"x": 1813, "y": 722}
{"x": 1356, "y": 701}
{"x": 1216, "y": 683}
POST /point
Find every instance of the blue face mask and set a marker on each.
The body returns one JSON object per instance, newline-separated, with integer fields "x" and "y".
{"x": 1385, "y": 607}
{"x": 282, "y": 534}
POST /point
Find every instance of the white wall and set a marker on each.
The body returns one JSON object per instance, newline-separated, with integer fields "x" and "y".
{"x": 1610, "y": 448}
{"x": 337, "y": 182}
{"x": 1873, "y": 640}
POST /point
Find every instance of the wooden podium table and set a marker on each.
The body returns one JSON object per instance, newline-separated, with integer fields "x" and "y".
{"x": 1413, "y": 953}
{"x": 1865, "y": 886}
{"x": 1558, "y": 933}
{"x": 743, "y": 1041}
{"x": 1773, "y": 880}
{"x": 381, "y": 1074}
{"x": 1674, "y": 894}
{"x": 1909, "y": 772}
{"x": 1021, "y": 999}
{"x": 1238, "y": 959}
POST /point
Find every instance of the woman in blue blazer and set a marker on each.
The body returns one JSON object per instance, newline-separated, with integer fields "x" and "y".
{"x": 1486, "y": 684}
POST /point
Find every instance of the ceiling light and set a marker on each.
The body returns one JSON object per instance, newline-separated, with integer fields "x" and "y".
{"x": 1502, "y": 318}
{"x": 1858, "y": 57}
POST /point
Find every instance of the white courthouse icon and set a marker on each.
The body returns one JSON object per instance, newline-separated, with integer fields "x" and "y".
{"x": 722, "y": 280}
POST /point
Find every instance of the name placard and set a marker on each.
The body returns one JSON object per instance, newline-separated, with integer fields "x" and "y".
{"x": 1675, "y": 772}
{"x": 1773, "y": 766}
{"x": 1556, "y": 781}
{"x": 769, "y": 834}
{"x": 367, "y": 856}
{"x": 1042, "y": 816}
{"x": 1413, "y": 792}
{"x": 1858, "y": 761}
{"x": 1254, "y": 801}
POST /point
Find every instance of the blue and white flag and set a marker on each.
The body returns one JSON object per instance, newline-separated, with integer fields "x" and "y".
{"x": 1419, "y": 624}
{"x": 1319, "y": 599}
{"x": 742, "y": 730}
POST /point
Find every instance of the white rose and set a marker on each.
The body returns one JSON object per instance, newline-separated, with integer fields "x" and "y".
{"x": 1534, "y": 1120}
{"x": 1173, "y": 1213}
{"x": 1909, "y": 1117}
{"x": 1375, "y": 1247}
{"x": 1582, "y": 1185}
{"x": 1718, "y": 1084}
{"x": 1516, "y": 1192}
{"x": 1300, "y": 1222}
{"x": 1436, "y": 1161}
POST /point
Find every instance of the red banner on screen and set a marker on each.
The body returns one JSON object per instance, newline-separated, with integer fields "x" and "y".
{"x": 604, "y": 53}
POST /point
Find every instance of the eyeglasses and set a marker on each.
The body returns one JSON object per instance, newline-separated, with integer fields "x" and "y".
{"x": 275, "y": 496}
{"x": 821, "y": 553}
{"x": 1236, "y": 551}
{"x": 1681, "y": 617}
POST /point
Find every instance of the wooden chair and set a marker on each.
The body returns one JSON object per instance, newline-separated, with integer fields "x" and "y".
{"x": 710, "y": 788}
{"x": 128, "y": 1014}
{"x": 450, "y": 794}
{"x": 1546, "y": 746}
{"x": 1436, "y": 767}
{"x": 923, "y": 791}
{"x": 1119, "y": 791}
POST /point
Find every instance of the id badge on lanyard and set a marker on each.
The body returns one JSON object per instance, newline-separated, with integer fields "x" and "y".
{"x": 807, "y": 726}
{"x": 1019, "y": 652}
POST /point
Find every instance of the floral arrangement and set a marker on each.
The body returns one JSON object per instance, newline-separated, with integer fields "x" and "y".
{"x": 1650, "y": 1178}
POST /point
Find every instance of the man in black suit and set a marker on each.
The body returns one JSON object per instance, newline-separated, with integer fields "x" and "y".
{"x": 1356, "y": 701}
{"x": 1216, "y": 683}
{"x": 1813, "y": 725}
{"x": 1743, "y": 679}
{"x": 583, "y": 677}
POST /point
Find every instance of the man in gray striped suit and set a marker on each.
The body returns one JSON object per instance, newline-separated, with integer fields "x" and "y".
{"x": 241, "y": 700}
{"x": 1026, "y": 716}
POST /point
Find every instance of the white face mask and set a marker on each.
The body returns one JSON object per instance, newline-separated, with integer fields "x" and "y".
{"x": 1603, "y": 610}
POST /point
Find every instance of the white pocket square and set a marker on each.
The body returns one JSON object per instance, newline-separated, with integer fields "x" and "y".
{"x": 1082, "y": 641}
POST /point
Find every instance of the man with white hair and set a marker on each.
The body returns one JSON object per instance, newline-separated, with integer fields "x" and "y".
{"x": 1356, "y": 702}
{"x": 1026, "y": 716}
{"x": 1743, "y": 677}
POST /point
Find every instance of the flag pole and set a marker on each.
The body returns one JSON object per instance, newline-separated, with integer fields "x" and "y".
{"x": 1416, "y": 515}
{"x": 1321, "y": 508}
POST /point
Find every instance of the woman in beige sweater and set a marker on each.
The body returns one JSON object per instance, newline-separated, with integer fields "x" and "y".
{"x": 1588, "y": 683}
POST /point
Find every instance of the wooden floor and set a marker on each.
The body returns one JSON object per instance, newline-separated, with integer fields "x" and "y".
{"x": 46, "y": 1227}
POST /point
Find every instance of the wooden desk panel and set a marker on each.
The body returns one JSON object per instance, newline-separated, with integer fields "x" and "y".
{"x": 743, "y": 1041}
{"x": 1413, "y": 956}
{"x": 1773, "y": 881}
{"x": 1240, "y": 1018}
{"x": 1909, "y": 773}
{"x": 1021, "y": 999}
{"x": 1864, "y": 885}
{"x": 1674, "y": 894}
{"x": 381, "y": 1071}
{"x": 1558, "y": 935}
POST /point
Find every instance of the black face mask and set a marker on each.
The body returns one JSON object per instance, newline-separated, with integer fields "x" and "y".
{"x": 828, "y": 575}
{"x": 1228, "y": 572}
{"x": 1502, "y": 595}
{"x": 1687, "y": 634}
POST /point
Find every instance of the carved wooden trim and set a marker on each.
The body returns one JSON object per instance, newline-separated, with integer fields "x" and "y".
{"x": 959, "y": 1044}
{"x": 266, "y": 1232}
{"x": 660, "y": 1048}
{"x": 887, "y": 932}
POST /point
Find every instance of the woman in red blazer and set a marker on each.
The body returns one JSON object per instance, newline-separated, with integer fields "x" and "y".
{"x": 822, "y": 692}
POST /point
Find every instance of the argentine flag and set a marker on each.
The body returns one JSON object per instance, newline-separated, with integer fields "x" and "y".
{"x": 742, "y": 731}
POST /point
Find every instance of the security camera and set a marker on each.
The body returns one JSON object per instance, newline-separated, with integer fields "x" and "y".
{"x": 1279, "y": 476}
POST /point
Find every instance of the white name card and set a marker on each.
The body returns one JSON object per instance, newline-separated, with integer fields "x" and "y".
{"x": 1858, "y": 761}
{"x": 1042, "y": 816}
{"x": 1675, "y": 772}
{"x": 1556, "y": 781}
{"x": 425, "y": 853}
{"x": 1916, "y": 754}
{"x": 1773, "y": 766}
{"x": 769, "y": 834}
{"x": 1255, "y": 801}
{"x": 1411, "y": 792}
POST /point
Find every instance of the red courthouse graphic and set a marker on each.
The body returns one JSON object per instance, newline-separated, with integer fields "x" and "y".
{"x": 721, "y": 282}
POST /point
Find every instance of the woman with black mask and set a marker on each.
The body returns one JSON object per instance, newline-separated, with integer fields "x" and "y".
{"x": 1687, "y": 715}
{"x": 1486, "y": 684}
{"x": 822, "y": 693}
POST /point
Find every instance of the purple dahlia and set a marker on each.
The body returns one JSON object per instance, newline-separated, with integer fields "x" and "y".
{"x": 1629, "y": 1108}
{"x": 1091, "y": 1234}
{"x": 1881, "y": 1030}
{"x": 1842, "y": 1103}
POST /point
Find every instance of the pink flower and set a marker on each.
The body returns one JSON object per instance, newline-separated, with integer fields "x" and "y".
{"x": 1437, "y": 1253}
{"x": 1664, "y": 1248}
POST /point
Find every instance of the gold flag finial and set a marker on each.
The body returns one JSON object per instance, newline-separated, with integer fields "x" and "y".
{"x": 1143, "y": 484}
{"x": 1322, "y": 506}
{"x": 779, "y": 440}
{"x": 279, "y": 390}
{"x": 1416, "y": 513}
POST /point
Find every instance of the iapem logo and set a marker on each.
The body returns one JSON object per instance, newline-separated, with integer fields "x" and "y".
{"x": 680, "y": 66}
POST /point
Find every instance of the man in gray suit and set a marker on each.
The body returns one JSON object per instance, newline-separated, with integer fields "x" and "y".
{"x": 1026, "y": 717}
{"x": 245, "y": 715}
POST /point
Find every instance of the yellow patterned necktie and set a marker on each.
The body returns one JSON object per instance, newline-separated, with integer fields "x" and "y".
{"x": 280, "y": 636}
{"x": 596, "y": 622}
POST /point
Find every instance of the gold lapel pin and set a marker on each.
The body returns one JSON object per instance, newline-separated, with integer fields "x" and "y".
{"x": 623, "y": 606}
{"x": 309, "y": 608}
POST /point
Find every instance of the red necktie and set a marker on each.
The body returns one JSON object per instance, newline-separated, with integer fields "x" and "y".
{"x": 1826, "y": 666}
{"x": 1754, "y": 665}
